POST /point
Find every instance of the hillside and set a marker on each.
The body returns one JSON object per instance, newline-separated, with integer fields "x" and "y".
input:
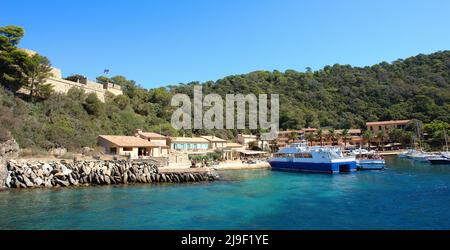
{"x": 339, "y": 96}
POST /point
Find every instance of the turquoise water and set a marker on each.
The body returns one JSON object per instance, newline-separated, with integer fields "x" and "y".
{"x": 405, "y": 196}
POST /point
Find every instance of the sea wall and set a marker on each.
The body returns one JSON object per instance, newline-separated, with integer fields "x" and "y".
{"x": 64, "y": 174}
{"x": 8, "y": 150}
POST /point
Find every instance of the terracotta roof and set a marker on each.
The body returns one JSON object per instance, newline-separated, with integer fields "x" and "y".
{"x": 247, "y": 136}
{"x": 189, "y": 139}
{"x": 151, "y": 135}
{"x": 127, "y": 141}
{"x": 290, "y": 132}
{"x": 350, "y": 131}
{"x": 400, "y": 122}
{"x": 213, "y": 138}
{"x": 234, "y": 145}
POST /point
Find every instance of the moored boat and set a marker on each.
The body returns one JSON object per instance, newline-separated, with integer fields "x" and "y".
{"x": 439, "y": 160}
{"x": 443, "y": 158}
{"x": 368, "y": 160}
{"x": 301, "y": 157}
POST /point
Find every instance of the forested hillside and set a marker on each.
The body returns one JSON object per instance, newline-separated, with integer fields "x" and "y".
{"x": 339, "y": 96}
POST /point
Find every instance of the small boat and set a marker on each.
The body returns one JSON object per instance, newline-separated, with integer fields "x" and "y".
{"x": 419, "y": 156}
{"x": 439, "y": 160}
{"x": 407, "y": 153}
{"x": 368, "y": 160}
{"x": 370, "y": 164}
{"x": 301, "y": 157}
{"x": 443, "y": 158}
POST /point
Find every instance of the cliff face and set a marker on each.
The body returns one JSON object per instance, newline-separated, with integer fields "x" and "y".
{"x": 8, "y": 150}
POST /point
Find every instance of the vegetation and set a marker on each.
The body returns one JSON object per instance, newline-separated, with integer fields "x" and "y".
{"x": 337, "y": 96}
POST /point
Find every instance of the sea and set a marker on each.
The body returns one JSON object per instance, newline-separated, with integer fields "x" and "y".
{"x": 406, "y": 195}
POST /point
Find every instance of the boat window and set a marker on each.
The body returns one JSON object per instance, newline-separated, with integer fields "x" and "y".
{"x": 303, "y": 155}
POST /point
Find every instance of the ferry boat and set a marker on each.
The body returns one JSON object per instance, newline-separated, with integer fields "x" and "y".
{"x": 301, "y": 157}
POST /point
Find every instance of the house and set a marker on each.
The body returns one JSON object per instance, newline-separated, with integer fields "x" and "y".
{"x": 285, "y": 138}
{"x": 354, "y": 137}
{"x": 215, "y": 142}
{"x": 132, "y": 146}
{"x": 246, "y": 140}
{"x": 386, "y": 126}
{"x": 152, "y": 137}
{"x": 231, "y": 151}
{"x": 189, "y": 144}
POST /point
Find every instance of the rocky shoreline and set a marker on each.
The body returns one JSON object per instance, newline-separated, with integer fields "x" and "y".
{"x": 85, "y": 173}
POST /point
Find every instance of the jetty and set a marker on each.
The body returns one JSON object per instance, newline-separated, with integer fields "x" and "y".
{"x": 87, "y": 173}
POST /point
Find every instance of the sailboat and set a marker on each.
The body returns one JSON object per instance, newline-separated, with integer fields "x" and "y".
{"x": 418, "y": 155}
{"x": 444, "y": 156}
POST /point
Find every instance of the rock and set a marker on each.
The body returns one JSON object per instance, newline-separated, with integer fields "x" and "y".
{"x": 71, "y": 180}
{"x": 87, "y": 150}
{"x": 62, "y": 183}
{"x": 38, "y": 181}
{"x": 125, "y": 178}
{"x": 65, "y": 170}
{"x": 8, "y": 180}
{"x": 27, "y": 181}
{"x": 57, "y": 151}
{"x": 107, "y": 180}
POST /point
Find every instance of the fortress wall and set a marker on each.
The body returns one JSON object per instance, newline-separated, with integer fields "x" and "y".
{"x": 63, "y": 86}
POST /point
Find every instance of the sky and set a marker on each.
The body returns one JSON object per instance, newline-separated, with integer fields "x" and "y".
{"x": 163, "y": 42}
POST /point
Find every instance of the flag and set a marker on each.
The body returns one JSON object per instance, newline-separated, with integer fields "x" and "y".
{"x": 106, "y": 71}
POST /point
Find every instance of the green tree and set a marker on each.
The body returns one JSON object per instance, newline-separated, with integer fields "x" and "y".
{"x": 11, "y": 58}
{"x": 311, "y": 138}
{"x": 35, "y": 71}
{"x": 345, "y": 135}
{"x": 368, "y": 136}
{"x": 93, "y": 105}
{"x": 319, "y": 135}
{"x": 293, "y": 136}
{"x": 10, "y": 36}
{"x": 381, "y": 137}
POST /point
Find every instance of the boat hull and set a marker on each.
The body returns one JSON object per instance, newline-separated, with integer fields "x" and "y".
{"x": 371, "y": 164}
{"x": 439, "y": 161}
{"x": 311, "y": 167}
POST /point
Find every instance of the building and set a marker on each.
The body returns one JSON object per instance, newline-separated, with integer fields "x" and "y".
{"x": 151, "y": 137}
{"x": 386, "y": 126}
{"x": 189, "y": 144}
{"x": 61, "y": 85}
{"x": 215, "y": 142}
{"x": 231, "y": 152}
{"x": 132, "y": 146}
{"x": 246, "y": 140}
{"x": 285, "y": 138}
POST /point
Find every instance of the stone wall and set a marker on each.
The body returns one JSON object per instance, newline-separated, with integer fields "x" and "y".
{"x": 8, "y": 150}
{"x": 64, "y": 174}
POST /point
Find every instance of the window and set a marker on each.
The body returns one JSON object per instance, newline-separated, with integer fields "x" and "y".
{"x": 127, "y": 149}
{"x": 303, "y": 155}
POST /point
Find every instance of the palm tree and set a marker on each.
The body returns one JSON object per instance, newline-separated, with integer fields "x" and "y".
{"x": 331, "y": 135}
{"x": 381, "y": 136}
{"x": 319, "y": 135}
{"x": 311, "y": 138}
{"x": 293, "y": 136}
{"x": 273, "y": 145}
{"x": 368, "y": 135}
{"x": 344, "y": 135}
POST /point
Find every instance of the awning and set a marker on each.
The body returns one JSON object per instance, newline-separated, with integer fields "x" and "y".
{"x": 251, "y": 152}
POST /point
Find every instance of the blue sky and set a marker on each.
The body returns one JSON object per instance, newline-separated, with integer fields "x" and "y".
{"x": 163, "y": 42}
